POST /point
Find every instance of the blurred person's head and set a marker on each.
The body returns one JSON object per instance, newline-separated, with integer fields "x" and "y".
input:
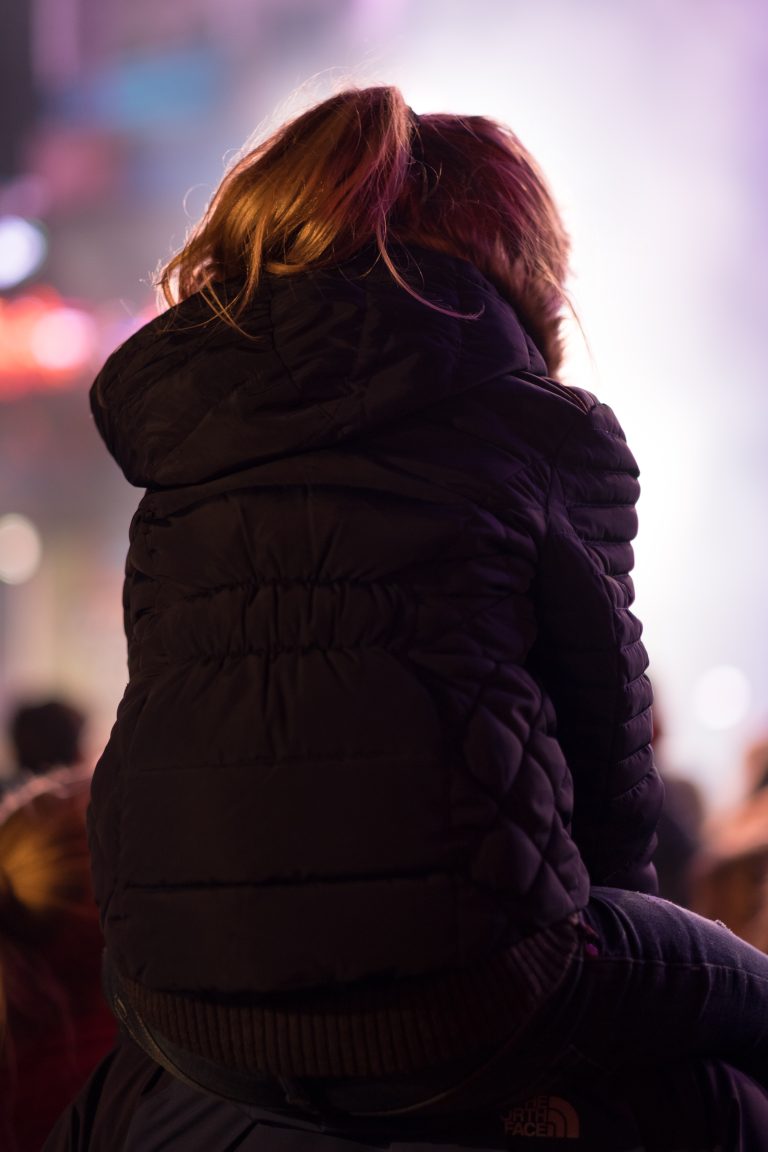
{"x": 46, "y": 734}
{"x": 361, "y": 169}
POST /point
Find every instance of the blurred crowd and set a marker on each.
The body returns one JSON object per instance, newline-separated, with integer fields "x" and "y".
{"x": 54, "y": 1024}
{"x": 717, "y": 863}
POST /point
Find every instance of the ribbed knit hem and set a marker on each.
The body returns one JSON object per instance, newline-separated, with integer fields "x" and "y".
{"x": 402, "y": 1026}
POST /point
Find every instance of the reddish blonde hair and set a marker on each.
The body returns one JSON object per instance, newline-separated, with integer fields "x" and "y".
{"x": 362, "y": 168}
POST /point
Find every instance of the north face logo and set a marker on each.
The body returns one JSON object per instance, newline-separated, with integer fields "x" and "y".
{"x": 543, "y": 1116}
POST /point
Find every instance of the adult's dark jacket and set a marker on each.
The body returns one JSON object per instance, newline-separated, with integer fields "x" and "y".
{"x": 387, "y": 712}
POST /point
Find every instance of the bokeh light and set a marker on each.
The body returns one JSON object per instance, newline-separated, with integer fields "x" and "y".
{"x": 64, "y": 339}
{"x": 722, "y": 696}
{"x": 23, "y": 249}
{"x": 20, "y": 549}
{"x": 45, "y": 344}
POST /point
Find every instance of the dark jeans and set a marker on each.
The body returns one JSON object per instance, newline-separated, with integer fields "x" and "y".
{"x": 668, "y": 984}
{"x": 656, "y": 988}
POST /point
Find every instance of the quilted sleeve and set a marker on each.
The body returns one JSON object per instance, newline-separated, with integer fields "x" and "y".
{"x": 590, "y": 657}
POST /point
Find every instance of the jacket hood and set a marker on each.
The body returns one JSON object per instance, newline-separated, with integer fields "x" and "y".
{"x": 323, "y": 357}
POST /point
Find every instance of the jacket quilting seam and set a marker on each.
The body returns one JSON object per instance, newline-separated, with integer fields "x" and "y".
{"x": 598, "y": 562}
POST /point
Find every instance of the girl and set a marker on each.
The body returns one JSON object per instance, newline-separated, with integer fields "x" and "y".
{"x": 375, "y": 824}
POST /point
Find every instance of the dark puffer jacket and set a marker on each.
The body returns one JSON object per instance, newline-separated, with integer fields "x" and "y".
{"x": 387, "y": 710}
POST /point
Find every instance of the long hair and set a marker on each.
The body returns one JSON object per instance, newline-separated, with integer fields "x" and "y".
{"x": 361, "y": 168}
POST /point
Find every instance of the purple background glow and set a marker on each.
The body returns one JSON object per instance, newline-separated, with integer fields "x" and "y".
{"x": 650, "y": 121}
